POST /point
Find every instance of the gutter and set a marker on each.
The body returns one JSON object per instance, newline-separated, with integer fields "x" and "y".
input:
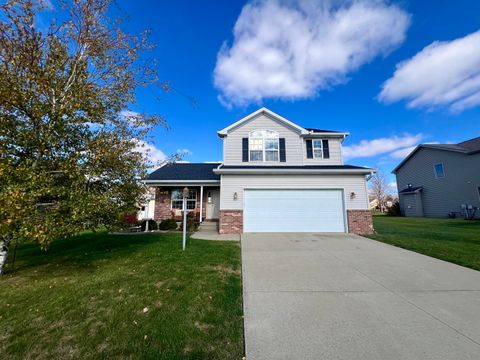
{"x": 176, "y": 182}
{"x": 312, "y": 134}
{"x": 293, "y": 171}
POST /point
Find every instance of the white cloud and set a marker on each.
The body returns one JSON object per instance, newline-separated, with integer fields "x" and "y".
{"x": 184, "y": 152}
{"x": 153, "y": 155}
{"x": 392, "y": 185}
{"x": 132, "y": 117}
{"x": 443, "y": 74}
{"x": 390, "y": 145}
{"x": 292, "y": 49}
{"x": 129, "y": 113}
{"x": 402, "y": 153}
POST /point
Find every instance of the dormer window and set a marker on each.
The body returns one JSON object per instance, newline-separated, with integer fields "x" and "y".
{"x": 263, "y": 145}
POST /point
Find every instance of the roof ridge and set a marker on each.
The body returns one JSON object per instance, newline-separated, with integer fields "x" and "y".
{"x": 466, "y": 141}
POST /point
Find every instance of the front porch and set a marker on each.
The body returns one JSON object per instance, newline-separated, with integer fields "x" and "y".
{"x": 203, "y": 200}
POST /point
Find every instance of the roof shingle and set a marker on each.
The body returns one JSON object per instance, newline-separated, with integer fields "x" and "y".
{"x": 472, "y": 145}
{"x": 185, "y": 171}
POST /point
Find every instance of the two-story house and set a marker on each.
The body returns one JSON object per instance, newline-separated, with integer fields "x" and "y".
{"x": 276, "y": 176}
{"x": 436, "y": 180}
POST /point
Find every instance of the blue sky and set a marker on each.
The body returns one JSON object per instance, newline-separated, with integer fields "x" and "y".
{"x": 425, "y": 101}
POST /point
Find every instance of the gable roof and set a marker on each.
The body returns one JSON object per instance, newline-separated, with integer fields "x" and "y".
{"x": 185, "y": 172}
{"x": 467, "y": 147}
{"x": 303, "y": 131}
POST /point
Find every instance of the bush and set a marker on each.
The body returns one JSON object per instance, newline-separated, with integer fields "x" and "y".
{"x": 130, "y": 219}
{"x": 394, "y": 210}
{"x": 152, "y": 225}
{"x": 193, "y": 221}
{"x": 168, "y": 224}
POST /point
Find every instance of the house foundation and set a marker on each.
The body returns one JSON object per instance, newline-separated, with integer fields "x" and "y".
{"x": 360, "y": 222}
{"x": 230, "y": 222}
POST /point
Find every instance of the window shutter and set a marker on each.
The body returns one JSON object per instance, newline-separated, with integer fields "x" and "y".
{"x": 326, "y": 150}
{"x": 309, "y": 149}
{"x": 283, "y": 157}
{"x": 245, "y": 149}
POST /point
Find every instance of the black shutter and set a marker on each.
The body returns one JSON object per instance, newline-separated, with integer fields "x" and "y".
{"x": 326, "y": 150}
{"x": 283, "y": 157}
{"x": 245, "y": 149}
{"x": 309, "y": 149}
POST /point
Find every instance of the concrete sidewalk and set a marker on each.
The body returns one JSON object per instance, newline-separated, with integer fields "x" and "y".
{"x": 309, "y": 296}
{"x": 208, "y": 230}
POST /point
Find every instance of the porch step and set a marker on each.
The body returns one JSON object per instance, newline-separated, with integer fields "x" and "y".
{"x": 208, "y": 225}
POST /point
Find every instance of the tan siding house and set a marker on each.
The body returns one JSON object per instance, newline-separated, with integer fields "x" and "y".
{"x": 276, "y": 176}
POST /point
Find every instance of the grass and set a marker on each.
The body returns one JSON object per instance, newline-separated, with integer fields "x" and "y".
{"x": 454, "y": 240}
{"x": 99, "y": 296}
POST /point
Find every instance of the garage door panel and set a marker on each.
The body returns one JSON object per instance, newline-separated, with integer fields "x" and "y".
{"x": 293, "y": 211}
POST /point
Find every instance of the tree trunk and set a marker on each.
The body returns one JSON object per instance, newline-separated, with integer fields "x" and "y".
{"x": 3, "y": 254}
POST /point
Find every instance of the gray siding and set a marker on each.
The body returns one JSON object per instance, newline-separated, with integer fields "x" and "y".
{"x": 441, "y": 196}
{"x": 231, "y": 184}
{"x": 294, "y": 144}
{"x": 411, "y": 204}
{"x": 335, "y": 147}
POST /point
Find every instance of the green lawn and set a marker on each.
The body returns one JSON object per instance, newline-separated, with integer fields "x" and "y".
{"x": 100, "y": 296}
{"x": 454, "y": 240}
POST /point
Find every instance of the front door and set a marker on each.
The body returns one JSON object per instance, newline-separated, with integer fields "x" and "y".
{"x": 213, "y": 203}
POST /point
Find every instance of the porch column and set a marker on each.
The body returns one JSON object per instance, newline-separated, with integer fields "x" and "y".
{"x": 201, "y": 203}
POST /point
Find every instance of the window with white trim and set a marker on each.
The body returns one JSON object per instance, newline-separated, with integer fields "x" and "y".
{"x": 317, "y": 149}
{"x": 177, "y": 199}
{"x": 263, "y": 145}
{"x": 439, "y": 170}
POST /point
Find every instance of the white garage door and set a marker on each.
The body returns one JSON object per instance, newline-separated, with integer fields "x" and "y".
{"x": 293, "y": 211}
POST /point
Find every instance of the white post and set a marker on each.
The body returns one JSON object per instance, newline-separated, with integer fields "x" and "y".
{"x": 201, "y": 203}
{"x": 145, "y": 215}
{"x": 184, "y": 242}
{"x": 185, "y": 196}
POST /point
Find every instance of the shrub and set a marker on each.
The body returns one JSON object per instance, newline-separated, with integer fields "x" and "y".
{"x": 193, "y": 221}
{"x": 152, "y": 225}
{"x": 168, "y": 224}
{"x": 394, "y": 210}
{"x": 130, "y": 219}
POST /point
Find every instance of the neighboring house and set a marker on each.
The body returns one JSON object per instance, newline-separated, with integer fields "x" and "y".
{"x": 276, "y": 176}
{"x": 374, "y": 203}
{"x": 436, "y": 180}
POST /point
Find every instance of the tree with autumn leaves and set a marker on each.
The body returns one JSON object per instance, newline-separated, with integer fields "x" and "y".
{"x": 70, "y": 157}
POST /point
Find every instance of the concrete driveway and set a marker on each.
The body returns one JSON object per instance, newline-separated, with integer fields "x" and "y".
{"x": 309, "y": 296}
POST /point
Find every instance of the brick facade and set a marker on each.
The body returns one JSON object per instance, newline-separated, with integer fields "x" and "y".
{"x": 162, "y": 204}
{"x": 163, "y": 208}
{"x": 360, "y": 222}
{"x": 231, "y": 222}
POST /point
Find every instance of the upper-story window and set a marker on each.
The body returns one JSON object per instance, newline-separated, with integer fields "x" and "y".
{"x": 439, "y": 170}
{"x": 263, "y": 145}
{"x": 317, "y": 149}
